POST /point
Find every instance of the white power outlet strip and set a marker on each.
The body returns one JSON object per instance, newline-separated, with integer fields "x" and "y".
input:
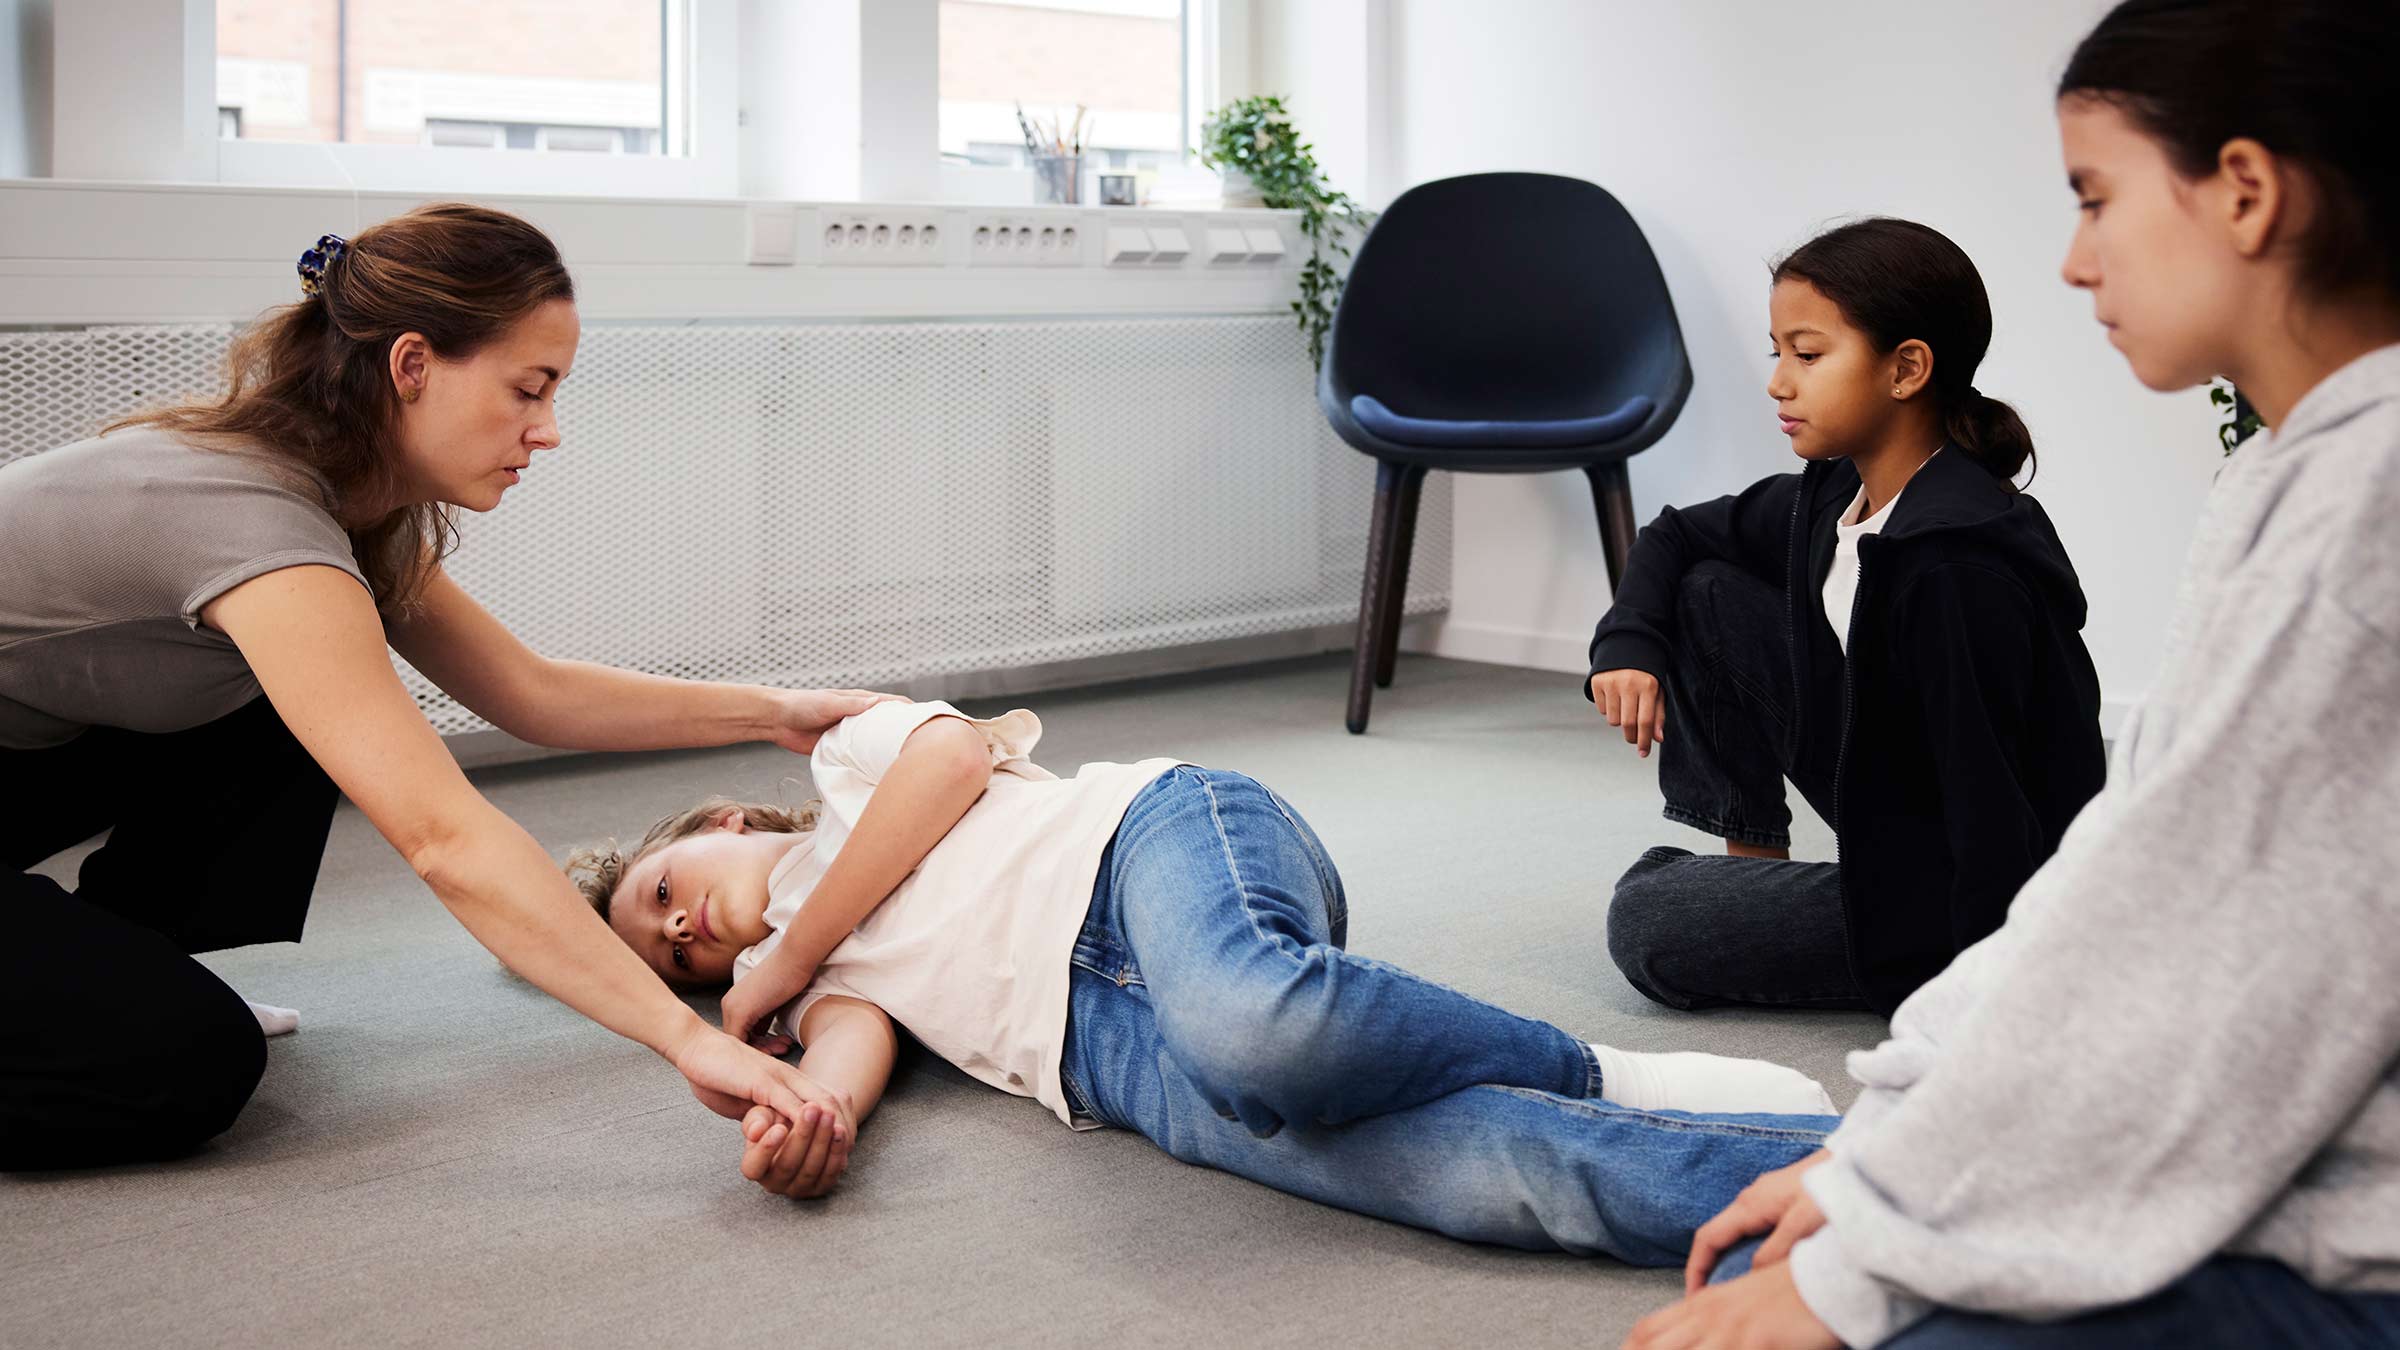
{"x": 884, "y": 238}
{"x": 1008, "y": 239}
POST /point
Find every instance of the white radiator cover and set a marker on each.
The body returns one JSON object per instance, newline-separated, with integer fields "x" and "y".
{"x": 830, "y": 504}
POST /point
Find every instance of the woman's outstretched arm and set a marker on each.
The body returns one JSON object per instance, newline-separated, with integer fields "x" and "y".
{"x": 581, "y": 705}
{"x": 314, "y": 640}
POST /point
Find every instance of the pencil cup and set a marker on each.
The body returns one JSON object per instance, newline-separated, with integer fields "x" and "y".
{"x": 1058, "y": 178}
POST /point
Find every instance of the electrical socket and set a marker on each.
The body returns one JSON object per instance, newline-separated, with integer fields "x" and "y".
{"x": 1028, "y": 239}
{"x": 899, "y": 237}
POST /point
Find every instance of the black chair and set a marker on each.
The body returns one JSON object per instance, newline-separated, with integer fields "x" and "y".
{"x": 1496, "y": 323}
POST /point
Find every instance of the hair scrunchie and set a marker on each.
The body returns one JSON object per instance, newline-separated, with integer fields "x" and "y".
{"x": 325, "y": 253}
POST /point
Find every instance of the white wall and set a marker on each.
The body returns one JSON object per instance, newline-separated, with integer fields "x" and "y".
{"x": 1732, "y": 130}
{"x": 1332, "y": 61}
{"x": 800, "y": 69}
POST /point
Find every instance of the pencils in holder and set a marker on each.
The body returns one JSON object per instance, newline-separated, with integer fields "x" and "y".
{"x": 1033, "y": 144}
{"x": 1055, "y": 152}
{"x": 1060, "y": 137}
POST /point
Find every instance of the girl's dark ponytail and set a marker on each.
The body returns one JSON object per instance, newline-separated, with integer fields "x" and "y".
{"x": 1989, "y": 431}
{"x": 1896, "y": 280}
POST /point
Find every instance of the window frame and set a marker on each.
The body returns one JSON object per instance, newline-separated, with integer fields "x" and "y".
{"x": 1198, "y": 66}
{"x": 177, "y": 139}
{"x": 701, "y": 69}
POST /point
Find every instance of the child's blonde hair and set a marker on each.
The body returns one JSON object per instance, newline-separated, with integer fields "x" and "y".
{"x": 597, "y": 869}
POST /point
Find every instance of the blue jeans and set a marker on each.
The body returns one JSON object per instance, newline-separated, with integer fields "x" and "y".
{"x": 2231, "y": 1303}
{"x": 1213, "y": 1010}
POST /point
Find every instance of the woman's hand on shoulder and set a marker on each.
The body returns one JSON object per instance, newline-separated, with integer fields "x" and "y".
{"x": 1632, "y": 700}
{"x": 801, "y": 716}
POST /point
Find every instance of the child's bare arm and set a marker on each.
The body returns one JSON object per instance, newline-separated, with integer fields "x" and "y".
{"x": 940, "y": 771}
{"x": 850, "y": 1046}
{"x": 850, "y": 1052}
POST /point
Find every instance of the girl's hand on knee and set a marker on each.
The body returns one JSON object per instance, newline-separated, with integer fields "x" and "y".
{"x": 1762, "y": 1310}
{"x": 1631, "y": 700}
{"x": 1771, "y": 1205}
{"x": 1802, "y": 1219}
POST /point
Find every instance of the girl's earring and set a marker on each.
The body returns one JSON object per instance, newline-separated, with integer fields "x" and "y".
{"x": 410, "y": 395}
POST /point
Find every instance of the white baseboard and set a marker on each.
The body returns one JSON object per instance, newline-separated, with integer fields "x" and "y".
{"x": 1565, "y": 653}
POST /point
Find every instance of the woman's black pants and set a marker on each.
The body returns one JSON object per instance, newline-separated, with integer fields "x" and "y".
{"x": 119, "y": 1047}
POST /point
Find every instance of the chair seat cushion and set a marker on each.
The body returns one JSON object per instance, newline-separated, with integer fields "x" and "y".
{"x": 1569, "y": 431}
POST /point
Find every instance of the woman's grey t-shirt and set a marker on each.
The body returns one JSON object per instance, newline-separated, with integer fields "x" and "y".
{"x": 109, "y": 548}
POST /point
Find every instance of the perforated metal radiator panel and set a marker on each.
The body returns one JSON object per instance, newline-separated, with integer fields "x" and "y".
{"x": 864, "y": 504}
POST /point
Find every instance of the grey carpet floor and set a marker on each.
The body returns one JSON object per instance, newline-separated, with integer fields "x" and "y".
{"x": 443, "y": 1156}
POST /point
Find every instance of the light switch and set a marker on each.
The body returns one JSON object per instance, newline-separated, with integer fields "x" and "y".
{"x": 1168, "y": 245}
{"x": 774, "y": 234}
{"x": 1225, "y": 246}
{"x": 1265, "y": 245}
{"x": 1127, "y": 244}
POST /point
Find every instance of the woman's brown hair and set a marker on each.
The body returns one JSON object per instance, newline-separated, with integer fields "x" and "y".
{"x": 310, "y": 386}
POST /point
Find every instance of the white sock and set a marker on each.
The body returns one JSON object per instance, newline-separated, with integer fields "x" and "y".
{"x": 1687, "y": 1081}
{"x": 273, "y": 1020}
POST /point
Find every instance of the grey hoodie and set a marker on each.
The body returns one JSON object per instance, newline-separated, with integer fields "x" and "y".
{"x": 2185, "y": 1039}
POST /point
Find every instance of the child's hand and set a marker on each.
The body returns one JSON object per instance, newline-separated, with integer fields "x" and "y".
{"x": 801, "y": 1161}
{"x": 1775, "y": 1204}
{"x": 753, "y": 999}
{"x": 1632, "y": 700}
{"x": 1762, "y": 1310}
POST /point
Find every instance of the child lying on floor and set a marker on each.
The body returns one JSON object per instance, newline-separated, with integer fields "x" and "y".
{"x": 1158, "y": 947}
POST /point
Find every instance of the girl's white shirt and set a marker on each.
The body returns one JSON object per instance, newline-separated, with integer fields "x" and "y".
{"x": 1841, "y": 580}
{"x": 971, "y": 952}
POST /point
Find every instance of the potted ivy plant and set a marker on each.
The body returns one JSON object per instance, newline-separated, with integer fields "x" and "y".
{"x": 1253, "y": 146}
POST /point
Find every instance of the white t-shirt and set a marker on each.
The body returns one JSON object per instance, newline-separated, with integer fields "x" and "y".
{"x": 971, "y": 951}
{"x": 1841, "y": 581}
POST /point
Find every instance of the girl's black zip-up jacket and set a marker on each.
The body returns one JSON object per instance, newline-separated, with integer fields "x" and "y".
{"x": 1965, "y": 722}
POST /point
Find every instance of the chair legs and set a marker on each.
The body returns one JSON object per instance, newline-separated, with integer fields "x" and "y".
{"x": 1391, "y": 538}
{"x": 1404, "y": 547}
{"x": 1391, "y": 533}
{"x": 1612, "y": 498}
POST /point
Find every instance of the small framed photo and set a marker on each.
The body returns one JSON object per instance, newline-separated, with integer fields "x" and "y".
{"x": 1119, "y": 188}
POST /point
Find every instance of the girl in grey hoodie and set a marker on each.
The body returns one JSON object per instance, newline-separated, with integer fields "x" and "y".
{"x": 2161, "y": 1105}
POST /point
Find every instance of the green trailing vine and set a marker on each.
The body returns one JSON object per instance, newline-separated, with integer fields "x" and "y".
{"x": 1255, "y": 137}
{"x": 2241, "y": 420}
